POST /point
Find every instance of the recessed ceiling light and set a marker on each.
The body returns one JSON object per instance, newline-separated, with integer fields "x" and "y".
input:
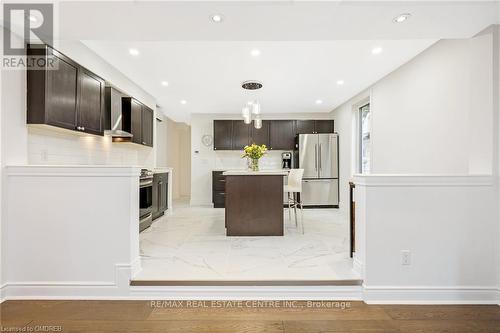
{"x": 183, "y": 101}
{"x": 377, "y": 50}
{"x": 340, "y": 82}
{"x": 133, "y": 52}
{"x": 319, "y": 101}
{"x": 217, "y": 18}
{"x": 164, "y": 83}
{"x": 401, "y": 18}
{"x": 255, "y": 52}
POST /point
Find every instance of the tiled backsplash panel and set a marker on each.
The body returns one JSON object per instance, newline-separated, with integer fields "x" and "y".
{"x": 49, "y": 146}
{"x": 232, "y": 160}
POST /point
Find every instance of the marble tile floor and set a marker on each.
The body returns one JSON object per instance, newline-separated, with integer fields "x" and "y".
{"x": 190, "y": 244}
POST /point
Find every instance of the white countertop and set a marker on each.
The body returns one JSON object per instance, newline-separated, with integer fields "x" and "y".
{"x": 272, "y": 172}
{"x": 162, "y": 170}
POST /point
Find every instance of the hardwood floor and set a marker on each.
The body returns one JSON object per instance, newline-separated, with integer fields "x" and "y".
{"x": 235, "y": 317}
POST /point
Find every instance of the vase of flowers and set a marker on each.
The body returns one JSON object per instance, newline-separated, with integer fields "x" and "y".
{"x": 254, "y": 153}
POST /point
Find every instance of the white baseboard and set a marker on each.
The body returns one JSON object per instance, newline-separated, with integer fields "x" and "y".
{"x": 113, "y": 289}
{"x": 431, "y": 295}
{"x": 2, "y": 291}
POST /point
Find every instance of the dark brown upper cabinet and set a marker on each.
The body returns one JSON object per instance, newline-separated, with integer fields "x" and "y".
{"x": 65, "y": 95}
{"x": 147, "y": 126}
{"x": 91, "y": 102}
{"x": 324, "y": 126}
{"x": 138, "y": 121}
{"x": 314, "y": 126}
{"x": 282, "y": 135}
{"x": 304, "y": 126}
{"x": 223, "y": 133}
{"x": 260, "y": 136}
{"x": 241, "y": 134}
{"x": 276, "y": 134}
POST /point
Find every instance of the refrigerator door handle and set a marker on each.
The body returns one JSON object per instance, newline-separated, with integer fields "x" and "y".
{"x": 316, "y": 157}
{"x": 319, "y": 159}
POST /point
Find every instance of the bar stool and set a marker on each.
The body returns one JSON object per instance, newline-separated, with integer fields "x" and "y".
{"x": 293, "y": 190}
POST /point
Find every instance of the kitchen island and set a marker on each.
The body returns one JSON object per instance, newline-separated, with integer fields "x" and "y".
{"x": 254, "y": 202}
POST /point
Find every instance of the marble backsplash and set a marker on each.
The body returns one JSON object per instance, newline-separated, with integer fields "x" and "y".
{"x": 53, "y": 146}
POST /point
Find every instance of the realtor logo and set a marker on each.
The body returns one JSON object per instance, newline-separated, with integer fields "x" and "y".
{"x": 33, "y": 21}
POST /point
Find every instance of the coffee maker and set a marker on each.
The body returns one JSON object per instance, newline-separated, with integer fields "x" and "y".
{"x": 286, "y": 160}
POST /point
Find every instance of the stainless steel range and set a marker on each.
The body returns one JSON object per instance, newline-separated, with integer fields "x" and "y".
{"x": 145, "y": 199}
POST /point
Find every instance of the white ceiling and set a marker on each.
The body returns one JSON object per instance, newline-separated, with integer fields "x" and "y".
{"x": 272, "y": 20}
{"x": 208, "y": 75}
{"x": 305, "y": 47}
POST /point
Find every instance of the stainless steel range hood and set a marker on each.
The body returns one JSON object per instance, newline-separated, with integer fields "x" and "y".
{"x": 114, "y": 120}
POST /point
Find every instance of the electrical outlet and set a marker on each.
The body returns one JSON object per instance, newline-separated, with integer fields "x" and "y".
{"x": 405, "y": 257}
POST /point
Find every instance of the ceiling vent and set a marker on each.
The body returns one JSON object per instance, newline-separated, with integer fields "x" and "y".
{"x": 251, "y": 85}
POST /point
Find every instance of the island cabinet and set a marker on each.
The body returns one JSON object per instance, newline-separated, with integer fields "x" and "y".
{"x": 160, "y": 194}
{"x": 282, "y": 135}
{"x": 138, "y": 120}
{"x": 64, "y": 94}
{"x": 247, "y": 211}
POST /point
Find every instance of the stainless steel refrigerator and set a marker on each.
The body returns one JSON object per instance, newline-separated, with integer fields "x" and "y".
{"x": 318, "y": 155}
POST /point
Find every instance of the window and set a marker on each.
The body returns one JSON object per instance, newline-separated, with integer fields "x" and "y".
{"x": 364, "y": 138}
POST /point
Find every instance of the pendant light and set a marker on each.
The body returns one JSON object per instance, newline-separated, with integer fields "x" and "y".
{"x": 257, "y": 122}
{"x": 247, "y": 117}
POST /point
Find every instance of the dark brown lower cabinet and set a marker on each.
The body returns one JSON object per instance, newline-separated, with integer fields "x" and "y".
{"x": 160, "y": 194}
{"x": 218, "y": 189}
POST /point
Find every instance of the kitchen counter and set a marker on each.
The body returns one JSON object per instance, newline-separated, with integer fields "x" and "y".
{"x": 254, "y": 205}
{"x": 273, "y": 172}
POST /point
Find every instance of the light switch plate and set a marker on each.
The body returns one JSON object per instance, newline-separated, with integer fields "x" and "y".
{"x": 405, "y": 257}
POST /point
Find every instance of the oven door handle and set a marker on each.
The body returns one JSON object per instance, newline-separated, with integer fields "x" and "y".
{"x": 146, "y": 183}
{"x": 145, "y": 217}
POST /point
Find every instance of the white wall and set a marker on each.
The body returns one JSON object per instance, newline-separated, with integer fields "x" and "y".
{"x": 204, "y": 159}
{"x": 345, "y": 125}
{"x": 496, "y": 34}
{"x": 161, "y": 141}
{"x": 70, "y": 230}
{"x": 440, "y": 100}
{"x": 432, "y": 116}
{"x": 178, "y": 156}
{"x": 446, "y": 223}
